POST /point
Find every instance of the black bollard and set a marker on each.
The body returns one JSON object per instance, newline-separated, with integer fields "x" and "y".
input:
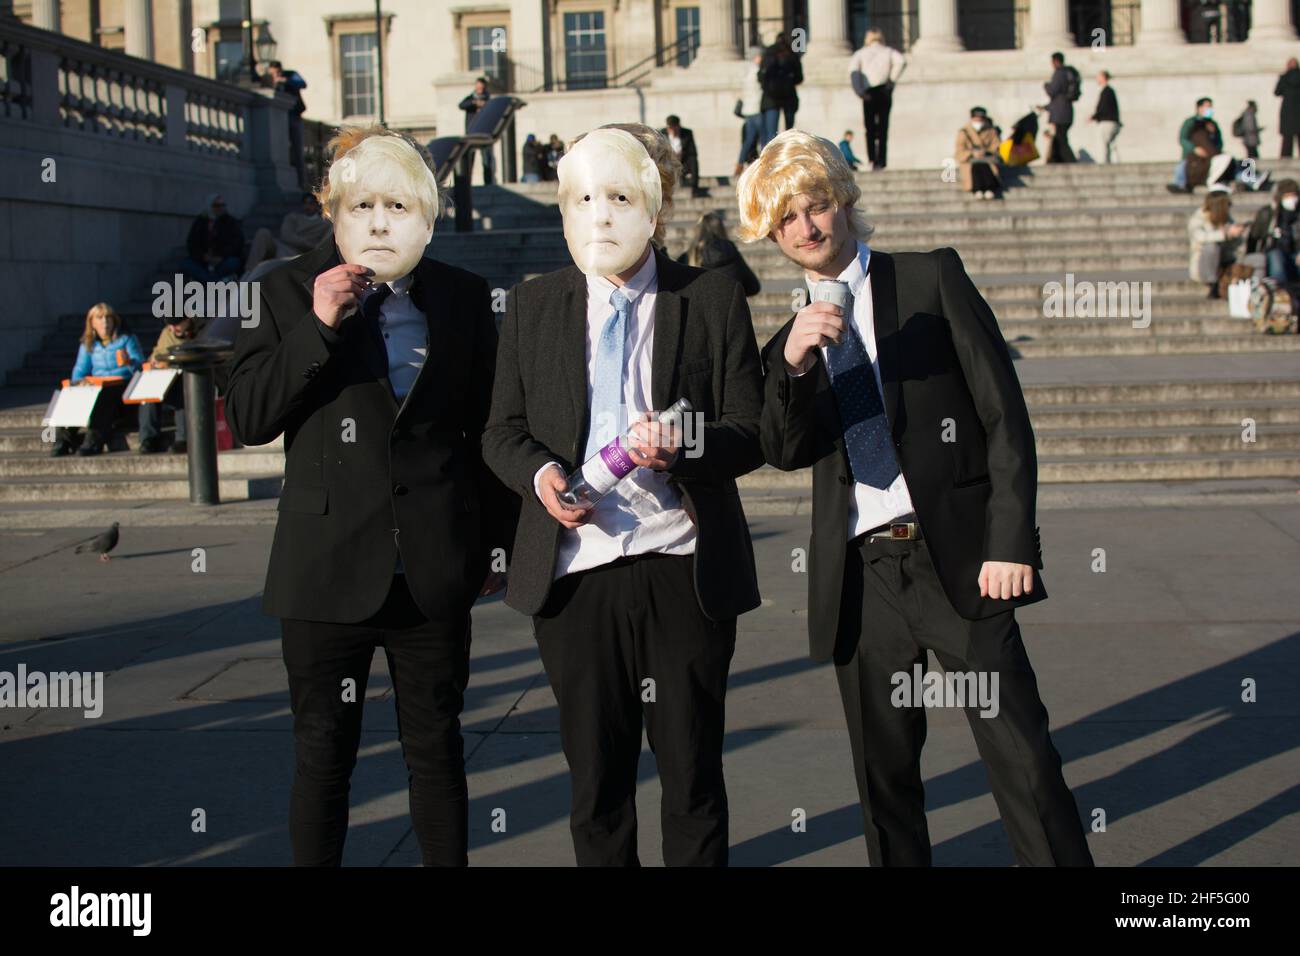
{"x": 197, "y": 360}
{"x": 201, "y": 424}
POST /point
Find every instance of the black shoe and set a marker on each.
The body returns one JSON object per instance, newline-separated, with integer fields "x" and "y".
{"x": 150, "y": 446}
{"x": 179, "y": 447}
{"x": 1180, "y": 190}
{"x": 89, "y": 448}
{"x": 60, "y": 449}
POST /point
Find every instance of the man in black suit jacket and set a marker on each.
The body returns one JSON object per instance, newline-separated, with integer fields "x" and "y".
{"x": 683, "y": 143}
{"x": 388, "y": 516}
{"x": 910, "y": 414}
{"x": 634, "y": 602}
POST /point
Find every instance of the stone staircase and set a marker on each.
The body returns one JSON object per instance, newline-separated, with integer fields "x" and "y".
{"x": 1109, "y": 402}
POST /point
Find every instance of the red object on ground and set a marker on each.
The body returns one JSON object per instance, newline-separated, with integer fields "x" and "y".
{"x": 225, "y": 437}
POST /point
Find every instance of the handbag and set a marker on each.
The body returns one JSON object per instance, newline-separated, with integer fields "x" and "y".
{"x": 1020, "y": 152}
{"x": 740, "y": 109}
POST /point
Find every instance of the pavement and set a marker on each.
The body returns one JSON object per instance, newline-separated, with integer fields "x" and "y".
{"x": 1141, "y": 667}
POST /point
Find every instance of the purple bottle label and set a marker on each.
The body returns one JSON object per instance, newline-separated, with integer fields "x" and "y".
{"x": 616, "y": 459}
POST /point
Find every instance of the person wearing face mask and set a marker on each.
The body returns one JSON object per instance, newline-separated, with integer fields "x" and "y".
{"x": 976, "y": 154}
{"x": 902, "y": 398}
{"x": 1275, "y": 231}
{"x": 1204, "y": 162}
{"x": 376, "y": 366}
{"x": 634, "y": 601}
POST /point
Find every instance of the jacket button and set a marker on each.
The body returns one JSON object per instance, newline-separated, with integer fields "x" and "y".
{"x": 399, "y": 488}
{"x": 844, "y": 479}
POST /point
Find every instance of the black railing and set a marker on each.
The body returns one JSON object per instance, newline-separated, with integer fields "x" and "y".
{"x": 628, "y": 76}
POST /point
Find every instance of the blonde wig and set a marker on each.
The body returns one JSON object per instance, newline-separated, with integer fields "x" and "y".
{"x": 796, "y": 163}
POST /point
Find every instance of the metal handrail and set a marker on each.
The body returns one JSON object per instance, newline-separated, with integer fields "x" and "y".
{"x": 614, "y": 81}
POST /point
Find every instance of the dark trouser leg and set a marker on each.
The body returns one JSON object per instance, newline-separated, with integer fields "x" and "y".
{"x": 326, "y": 730}
{"x": 1037, "y": 808}
{"x": 875, "y": 643}
{"x": 885, "y": 103}
{"x": 585, "y": 641}
{"x": 1061, "y": 151}
{"x": 1288, "y": 141}
{"x": 983, "y": 179}
{"x": 869, "y": 128}
{"x": 789, "y": 117}
{"x": 148, "y": 419}
{"x": 688, "y": 657}
{"x": 429, "y": 664}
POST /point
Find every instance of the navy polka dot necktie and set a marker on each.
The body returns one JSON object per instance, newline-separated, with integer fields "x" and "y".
{"x": 867, "y": 437}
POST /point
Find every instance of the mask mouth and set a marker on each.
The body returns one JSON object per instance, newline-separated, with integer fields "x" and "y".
{"x": 379, "y": 249}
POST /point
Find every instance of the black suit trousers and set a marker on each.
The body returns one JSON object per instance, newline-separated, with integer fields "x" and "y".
{"x": 429, "y": 665}
{"x": 604, "y": 634}
{"x": 875, "y": 118}
{"x": 893, "y": 612}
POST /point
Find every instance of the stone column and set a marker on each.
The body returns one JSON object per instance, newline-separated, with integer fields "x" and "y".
{"x": 1160, "y": 25}
{"x": 937, "y": 27}
{"x": 718, "y": 30}
{"x": 1271, "y": 20}
{"x": 828, "y": 28}
{"x": 138, "y": 22}
{"x": 1049, "y": 25}
{"x": 45, "y": 14}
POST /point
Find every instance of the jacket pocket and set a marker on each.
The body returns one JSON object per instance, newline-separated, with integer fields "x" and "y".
{"x": 696, "y": 367}
{"x": 304, "y": 499}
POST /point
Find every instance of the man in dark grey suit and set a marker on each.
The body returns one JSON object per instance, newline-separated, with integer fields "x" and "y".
{"x": 634, "y": 601}
{"x": 905, "y": 404}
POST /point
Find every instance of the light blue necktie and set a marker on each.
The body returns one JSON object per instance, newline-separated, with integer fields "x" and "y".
{"x": 607, "y": 380}
{"x": 867, "y": 437}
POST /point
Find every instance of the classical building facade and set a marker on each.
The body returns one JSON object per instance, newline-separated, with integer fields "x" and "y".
{"x": 579, "y": 63}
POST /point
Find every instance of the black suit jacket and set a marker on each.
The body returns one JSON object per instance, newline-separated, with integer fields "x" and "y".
{"x": 409, "y": 478}
{"x": 941, "y": 357}
{"x": 704, "y": 350}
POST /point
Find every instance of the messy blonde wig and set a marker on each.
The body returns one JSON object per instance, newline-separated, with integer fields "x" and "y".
{"x": 382, "y": 159}
{"x": 796, "y": 163}
{"x": 666, "y": 165}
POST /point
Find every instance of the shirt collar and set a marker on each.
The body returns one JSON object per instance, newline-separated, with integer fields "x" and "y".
{"x": 399, "y": 286}
{"x": 855, "y": 274}
{"x": 600, "y": 288}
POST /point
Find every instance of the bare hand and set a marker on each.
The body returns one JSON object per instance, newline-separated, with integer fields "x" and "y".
{"x": 550, "y": 484}
{"x": 1004, "y": 580}
{"x": 1200, "y": 151}
{"x": 655, "y": 445}
{"x": 336, "y": 292}
{"x": 815, "y": 325}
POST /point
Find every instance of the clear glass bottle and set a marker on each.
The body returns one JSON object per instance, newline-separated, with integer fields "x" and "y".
{"x": 601, "y": 472}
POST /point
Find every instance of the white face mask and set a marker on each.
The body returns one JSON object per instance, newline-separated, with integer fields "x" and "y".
{"x": 606, "y": 222}
{"x": 381, "y": 226}
{"x": 1290, "y": 202}
{"x": 978, "y": 124}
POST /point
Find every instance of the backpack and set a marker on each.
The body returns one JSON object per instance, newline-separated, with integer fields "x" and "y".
{"x": 1073, "y": 85}
{"x": 1239, "y": 126}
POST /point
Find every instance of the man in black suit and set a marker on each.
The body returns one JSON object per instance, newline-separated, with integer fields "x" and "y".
{"x": 682, "y": 141}
{"x": 923, "y": 500}
{"x": 388, "y": 515}
{"x": 634, "y": 602}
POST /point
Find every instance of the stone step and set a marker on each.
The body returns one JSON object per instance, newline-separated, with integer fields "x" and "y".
{"x": 240, "y": 463}
{"x": 1015, "y": 331}
{"x": 133, "y": 489}
{"x": 1156, "y": 345}
{"x": 1162, "y": 393}
{"x": 1284, "y": 464}
{"x": 1192, "y": 414}
{"x": 1163, "y": 310}
{"x": 1215, "y": 440}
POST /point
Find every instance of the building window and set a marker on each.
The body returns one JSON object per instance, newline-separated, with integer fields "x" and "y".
{"x": 486, "y": 55}
{"x": 898, "y": 20}
{"x": 688, "y": 34}
{"x": 229, "y": 55}
{"x": 585, "y": 62}
{"x": 357, "y": 51}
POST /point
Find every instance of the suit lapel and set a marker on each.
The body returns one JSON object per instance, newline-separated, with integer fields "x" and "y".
{"x": 884, "y": 314}
{"x": 668, "y": 333}
{"x": 572, "y": 344}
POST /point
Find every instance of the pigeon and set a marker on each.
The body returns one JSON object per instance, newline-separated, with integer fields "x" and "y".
{"x": 102, "y": 544}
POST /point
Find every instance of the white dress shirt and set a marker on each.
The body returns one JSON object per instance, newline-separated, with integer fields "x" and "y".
{"x": 643, "y": 512}
{"x": 871, "y": 507}
{"x": 406, "y": 336}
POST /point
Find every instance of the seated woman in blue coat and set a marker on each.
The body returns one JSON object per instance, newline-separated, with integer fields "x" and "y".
{"x": 106, "y": 350}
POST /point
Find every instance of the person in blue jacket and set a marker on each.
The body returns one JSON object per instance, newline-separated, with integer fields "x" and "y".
{"x": 106, "y": 350}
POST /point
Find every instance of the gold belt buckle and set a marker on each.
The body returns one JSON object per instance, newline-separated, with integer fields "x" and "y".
{"x": 903, "y": 531}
